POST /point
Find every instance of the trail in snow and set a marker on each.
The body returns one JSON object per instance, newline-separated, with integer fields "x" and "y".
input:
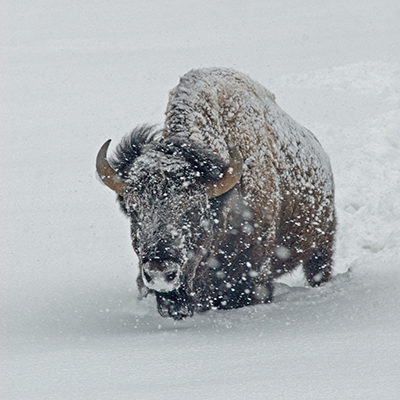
{"x": 74, "y": 76}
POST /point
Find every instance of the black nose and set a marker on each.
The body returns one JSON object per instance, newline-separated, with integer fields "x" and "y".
{"x": 170, "y": 276}
{"x": 149, "y": 276}
{"x": 158, "y": 278}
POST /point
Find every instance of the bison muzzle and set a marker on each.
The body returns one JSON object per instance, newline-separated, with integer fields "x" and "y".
{"x": 230, "y": 194}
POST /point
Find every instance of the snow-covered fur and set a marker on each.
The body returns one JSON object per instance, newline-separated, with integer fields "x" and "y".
{"x": 195, "y": 252}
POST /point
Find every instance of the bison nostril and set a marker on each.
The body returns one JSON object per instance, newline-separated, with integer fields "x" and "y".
{"x": 147, "y": 276}
{"x": 170, "y": 276}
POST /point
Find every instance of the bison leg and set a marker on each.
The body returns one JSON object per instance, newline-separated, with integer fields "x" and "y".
{"x": 143, "y": 290}
{"x": 318, "y": 268}
{"x": 175, "y": 304}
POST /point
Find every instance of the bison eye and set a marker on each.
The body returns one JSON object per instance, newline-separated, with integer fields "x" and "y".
{"x": 145, "y": 259}
{"x": 194, "y": 214}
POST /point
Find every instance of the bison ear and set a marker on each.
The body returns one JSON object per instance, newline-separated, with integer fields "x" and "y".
{"x": 230, "y": 177}
{"x": 106, "y": 172}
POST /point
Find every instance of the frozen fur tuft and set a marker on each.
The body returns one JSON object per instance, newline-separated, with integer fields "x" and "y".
{"x": 131, "y": 147}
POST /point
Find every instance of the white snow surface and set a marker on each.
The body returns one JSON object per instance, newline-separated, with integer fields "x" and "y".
{"x": 74, "y": 74}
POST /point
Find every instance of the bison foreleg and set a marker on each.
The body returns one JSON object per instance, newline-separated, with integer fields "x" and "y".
{"x": 143, "y": 290}
{"x": 318, "y": 268}
{"x": 176, "y": 304}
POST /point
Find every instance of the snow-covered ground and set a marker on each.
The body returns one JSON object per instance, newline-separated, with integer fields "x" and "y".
{"x": 74, "y": 74}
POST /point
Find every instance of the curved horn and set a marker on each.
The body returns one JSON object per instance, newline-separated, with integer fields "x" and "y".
{"x": 231, "y": 176}
{"x": 106, "y": 172}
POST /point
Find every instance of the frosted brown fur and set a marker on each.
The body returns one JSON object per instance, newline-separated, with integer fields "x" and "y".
{"x": 287, "y": 180}
{"x": 197, "y": 251}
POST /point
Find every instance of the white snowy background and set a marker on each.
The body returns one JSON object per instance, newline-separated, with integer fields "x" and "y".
{"x": 74, "y": 74}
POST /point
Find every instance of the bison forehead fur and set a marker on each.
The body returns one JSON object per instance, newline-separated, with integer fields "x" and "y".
{"x": 198, "y": 252}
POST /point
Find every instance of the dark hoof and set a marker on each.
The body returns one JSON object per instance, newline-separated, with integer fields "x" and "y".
{"x": 174, "y": 305}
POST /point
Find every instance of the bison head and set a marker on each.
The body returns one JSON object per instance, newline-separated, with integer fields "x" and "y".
{"x": 169, "y": 188}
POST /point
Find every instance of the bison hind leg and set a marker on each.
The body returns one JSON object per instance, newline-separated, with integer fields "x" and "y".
{"x": 318, "y": 268}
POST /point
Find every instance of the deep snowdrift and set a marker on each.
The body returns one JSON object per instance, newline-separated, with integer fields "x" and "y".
{"x": 74, "y": 76}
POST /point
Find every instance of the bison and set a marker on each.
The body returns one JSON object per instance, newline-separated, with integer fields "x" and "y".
{"x": 230, "y": 194}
